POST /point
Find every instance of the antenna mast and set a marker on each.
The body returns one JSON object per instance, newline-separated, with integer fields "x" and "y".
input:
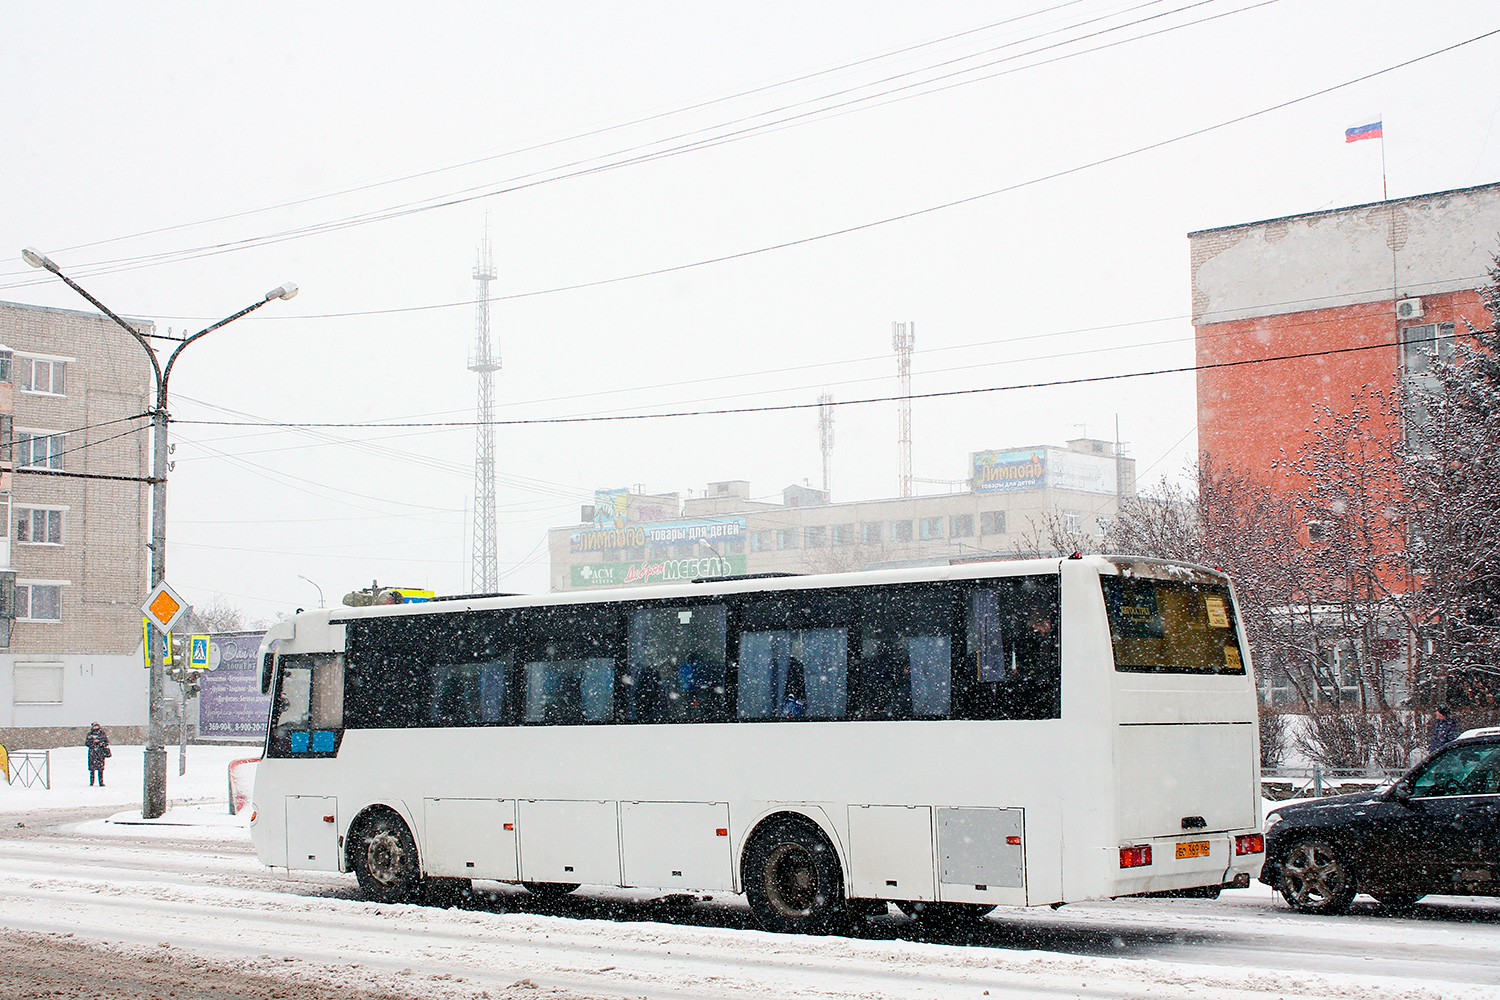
{"x": 825, "y": 434}
{"x": 903, "y": 336}
{"x": 485, "y": 567}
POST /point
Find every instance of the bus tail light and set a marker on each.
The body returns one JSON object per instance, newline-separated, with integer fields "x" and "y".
{"x": 1135, "y": 857}
{"x": 1250, "y": 843}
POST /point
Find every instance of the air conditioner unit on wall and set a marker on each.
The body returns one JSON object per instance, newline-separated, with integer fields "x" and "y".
{"x": 1409, "y": 309}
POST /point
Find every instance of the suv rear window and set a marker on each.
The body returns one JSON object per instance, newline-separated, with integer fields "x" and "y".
{"x": 1171, "y": 626}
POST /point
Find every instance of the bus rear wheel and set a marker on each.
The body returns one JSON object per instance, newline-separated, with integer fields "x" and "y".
{"x": 383, "y": 854}
{"x": 793, "y": 879}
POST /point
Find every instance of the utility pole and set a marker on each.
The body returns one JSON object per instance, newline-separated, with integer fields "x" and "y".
{"x": 154, "y": 771}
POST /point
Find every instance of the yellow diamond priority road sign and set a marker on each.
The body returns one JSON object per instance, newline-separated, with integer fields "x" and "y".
{"x": 164, "y": 607}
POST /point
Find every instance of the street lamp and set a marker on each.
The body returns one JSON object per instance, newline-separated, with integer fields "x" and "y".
{"x": 154, "y": 790}
{"x": 320, "y": 589}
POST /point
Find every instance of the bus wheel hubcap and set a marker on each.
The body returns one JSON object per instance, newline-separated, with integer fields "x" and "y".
{"x": 384, "y": 854}
{"x": 791, "y": 880}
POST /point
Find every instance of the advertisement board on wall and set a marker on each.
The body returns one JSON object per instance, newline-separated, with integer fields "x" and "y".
{"x": 230, "y": 705}
{"x": 997, "y": 471}
{"x": 1034, "y": 468}
{"x": 629, "y": 536}
{"x": 621, "y": 574}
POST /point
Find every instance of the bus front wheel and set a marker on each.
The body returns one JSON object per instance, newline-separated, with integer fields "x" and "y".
{"x": 384, "y": 858}
{"x": 793, "y": 880}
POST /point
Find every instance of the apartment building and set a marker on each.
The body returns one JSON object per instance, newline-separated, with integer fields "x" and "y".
{"x": 630, "y": 539}
{"x": 74, "y": 454}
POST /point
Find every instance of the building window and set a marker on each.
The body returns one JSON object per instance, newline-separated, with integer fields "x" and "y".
{"x": 786, "y": 538}
{"x": 39, "y": 602}
{"x": 39, "y": 525}
{"x": 737, "y": 547}
{"x": 760, "y": 541}
{"x": 900, "y": 531}
{"x": 815, "y": 537}
{"x": 661, "y": 551}
{"x": 38, "y": 684}
{"x": 992, "y": 522}
{"x": 842, "y": 534}
{"x": 869, "y": 533}
{"x": 1422, "y": 348}
{"x": 39, "y": 375}
{"x": 1319, "y": 531}
{"x": 961, "y": 526}
{"x": 1102, "y": 523}
{"x": 39, "y": 450}
{"x": 1072, "y": 521}
{"x": 7, "y": 366}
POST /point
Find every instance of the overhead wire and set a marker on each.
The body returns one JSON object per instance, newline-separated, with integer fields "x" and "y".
{"x": 472, "y": 194}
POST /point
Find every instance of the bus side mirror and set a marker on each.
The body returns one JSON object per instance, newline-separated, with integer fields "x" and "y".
{"x": 269, "y": 644}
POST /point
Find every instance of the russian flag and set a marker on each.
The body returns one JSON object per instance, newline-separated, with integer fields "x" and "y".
{"x": 1358, "y": 132}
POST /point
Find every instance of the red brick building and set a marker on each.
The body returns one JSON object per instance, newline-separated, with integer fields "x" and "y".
{"x": 1397, "y": 277}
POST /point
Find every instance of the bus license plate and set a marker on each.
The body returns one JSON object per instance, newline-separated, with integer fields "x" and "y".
{"x": 1192, "y": 849}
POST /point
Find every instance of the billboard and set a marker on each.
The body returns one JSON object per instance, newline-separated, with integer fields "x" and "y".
{"x": 622, "y": 574}
{"x": 630, "y": 536}
{"x": 1034, "y": 468}
{"x": 1000, "y": 471}
{"x": 230, "y": 705}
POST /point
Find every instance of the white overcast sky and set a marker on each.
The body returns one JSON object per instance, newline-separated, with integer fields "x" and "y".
{"x": 180, "y": 159}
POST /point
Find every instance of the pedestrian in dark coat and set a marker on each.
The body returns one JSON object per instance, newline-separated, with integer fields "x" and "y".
{"x": 97, "y": 742}
{"x": 1444, "y": 730}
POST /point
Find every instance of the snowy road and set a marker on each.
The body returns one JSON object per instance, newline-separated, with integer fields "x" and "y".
{"x": 128, "y": 891}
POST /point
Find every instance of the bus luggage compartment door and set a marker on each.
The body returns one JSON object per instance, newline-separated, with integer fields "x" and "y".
{"x": 890, "y": 852}
{"x": 569, "y": 841}
{"x": 312, "y": 833}
{"x": 983, "y": 855}
{"x": 470, "y": 838}
{"x": 682, "y": 844}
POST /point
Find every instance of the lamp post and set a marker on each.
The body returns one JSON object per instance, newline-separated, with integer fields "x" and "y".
{"x": 154, "y": 780}
{"x": 320, "y": 589}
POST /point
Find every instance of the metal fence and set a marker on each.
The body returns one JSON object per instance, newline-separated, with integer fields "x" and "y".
{"x": 1317, "y": 781}
{"x": 29, "y": 768}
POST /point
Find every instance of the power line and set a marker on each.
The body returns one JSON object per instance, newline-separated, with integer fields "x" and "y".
{"x": 788, "y": 407}
{"x": 903, "y": 216}
{"x": 473, "y": 194}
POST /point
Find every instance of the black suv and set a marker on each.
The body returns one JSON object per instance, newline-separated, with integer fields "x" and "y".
{"x": 1437, "y": 830}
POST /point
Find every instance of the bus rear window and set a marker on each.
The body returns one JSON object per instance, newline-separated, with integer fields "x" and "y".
{"x": 1171, "y": 626}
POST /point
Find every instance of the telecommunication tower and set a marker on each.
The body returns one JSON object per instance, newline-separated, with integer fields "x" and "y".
{"x": 825, "y": 434}
{"x": 485, "y": 566}
{"x": 903, "y": 336}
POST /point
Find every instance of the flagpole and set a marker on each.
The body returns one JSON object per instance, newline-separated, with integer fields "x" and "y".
{"x": 1384, "y": 193}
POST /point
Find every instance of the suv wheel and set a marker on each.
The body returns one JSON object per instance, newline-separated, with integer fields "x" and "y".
{"x": 1315, "y": 878}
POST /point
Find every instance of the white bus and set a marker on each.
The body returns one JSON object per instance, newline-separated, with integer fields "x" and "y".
{"x": 1018, "y": 733}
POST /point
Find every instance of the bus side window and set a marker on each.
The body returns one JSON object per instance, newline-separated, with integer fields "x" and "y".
{"x": 569, "y": 672}
{"x": 905, "y": 666}
{"x": 793, "y": 657}
{"x": 675, "y": 669}
{"x": 1014, "y": 668}
{"x": 468, "y": 694}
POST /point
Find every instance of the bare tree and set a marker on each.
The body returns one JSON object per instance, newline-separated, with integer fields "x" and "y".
{"x": 218, "y": 615}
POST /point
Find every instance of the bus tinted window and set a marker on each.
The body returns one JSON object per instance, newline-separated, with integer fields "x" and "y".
{"x": 793, "y": 655}
{"x": 1171, "y": 626}
{"x": 675, "y": 671}
{"x": 437, "y": 670}
{"x": 905, "y": 665}
{"x": 1014, "y": 668}
{"x": 570, "y": 658}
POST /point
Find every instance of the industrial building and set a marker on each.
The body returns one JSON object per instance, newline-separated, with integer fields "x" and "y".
{"x": 630, "y": 538}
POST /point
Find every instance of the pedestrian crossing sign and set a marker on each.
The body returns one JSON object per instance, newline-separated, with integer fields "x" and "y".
{"x": 198, "y": 653}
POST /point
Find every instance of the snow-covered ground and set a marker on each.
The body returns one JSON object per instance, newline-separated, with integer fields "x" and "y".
{"x": 85, "y": 866}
